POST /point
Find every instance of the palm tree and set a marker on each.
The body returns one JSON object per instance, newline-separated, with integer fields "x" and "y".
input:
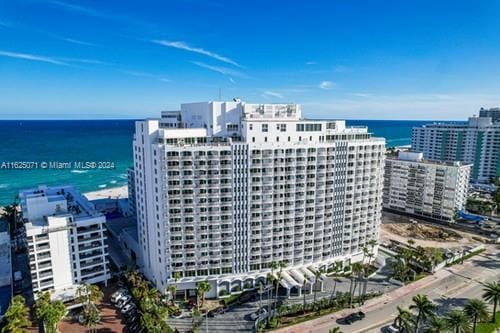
{"x": 91, "y": 316}
{"x": 261, "y": 291}
{"x": 279, "y": 277}
{"x": 269, "y": 283}
{"x": 404, "y": 319}
{"x": 10, "y": 214}
{"x": 16, "y": 318}
{"x": 436, "y": 324}
{"x": 304, "y": 284}
{"x": 89, "y": 294}
{"x": 477, "y": 310}
{"x": 424, "y": 307}
{"x": 317, "y": 276}
{"x": 173, "y": 287}
{"x": 457, "y": 321}
{"x": 50, "y": 312}
{"x": 202, "y": 288}
{"x": 492, "y": 295}
{"x": 357, "y": 269}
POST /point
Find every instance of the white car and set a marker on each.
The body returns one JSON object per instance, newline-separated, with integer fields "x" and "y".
{"x": 123, "y": 300}
{"x": 118, "y": 295}
{"x": 127, "y": 308}
{"x": 390, "y": 329}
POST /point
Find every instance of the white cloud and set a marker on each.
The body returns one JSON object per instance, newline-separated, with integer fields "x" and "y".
{"x": 272, "y": 94}
{"x": 32, "y": 57}
{"x": 222, "y": 70}
{"x": 326, "y": 85}
{"x": 184, "y": 46}
{"x": 309, "y": 63}
{"x": 76, "y": 41}
{"x": 146, "y": 75}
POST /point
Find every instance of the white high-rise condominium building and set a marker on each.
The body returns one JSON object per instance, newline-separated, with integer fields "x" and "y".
{"x": 66, "y": 240}
{"x": 223, "y": 189}
{"x": 431, "y": 189}
{"x": 476, "y": 142}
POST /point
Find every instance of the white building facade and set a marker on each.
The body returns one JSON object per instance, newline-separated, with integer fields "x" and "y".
{"x": 66, "y": 240}
{"x": 476, "y": 142}
{"x": 435, "y": 190}
{"x": 223, "y": 189}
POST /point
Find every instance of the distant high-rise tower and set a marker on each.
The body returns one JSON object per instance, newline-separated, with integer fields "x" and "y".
{"x": 223, "y": 189}
{"x": 476, "y": 142}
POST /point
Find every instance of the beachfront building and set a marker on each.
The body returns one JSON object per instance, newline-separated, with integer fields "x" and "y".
{"x": 131, "y": 192}
{"x": 224, "y": 189}
{"x": 430, "y": 189}
{"x": 66, "y": 240}
{"x": 475, "y": 142}
{"x": 6, "y": 286}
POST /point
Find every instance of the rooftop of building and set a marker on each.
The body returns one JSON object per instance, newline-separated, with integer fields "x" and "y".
{"x": 416, "y": 157}
{"x": 39, "y": 203}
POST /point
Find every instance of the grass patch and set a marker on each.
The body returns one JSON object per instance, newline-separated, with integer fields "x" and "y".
{"x": 470, "y": 255}
{"x": 489, "y": 327}
{"x": 231, "y": 299}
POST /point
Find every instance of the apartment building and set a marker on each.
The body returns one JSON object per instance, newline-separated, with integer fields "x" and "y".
{"x": 493, "y": 113}
{"x": 66, "y": 240}
{"x": 431, "y": 189}
{"x": 475, "y": 142}
{"x": 223, "y": 189}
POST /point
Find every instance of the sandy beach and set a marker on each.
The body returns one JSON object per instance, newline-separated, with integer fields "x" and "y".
{"x": 113, "y": 193}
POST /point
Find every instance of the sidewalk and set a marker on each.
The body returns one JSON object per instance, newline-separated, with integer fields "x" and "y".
{"x": 327, "y": 320}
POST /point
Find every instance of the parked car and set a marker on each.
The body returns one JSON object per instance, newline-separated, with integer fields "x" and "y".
{"x": 122, "y": 301}
{"x": 127, "y": 308}
{"x": 353, "y": 317}
{"x": 117, "y": 295}
{"x": 259, "y": 313}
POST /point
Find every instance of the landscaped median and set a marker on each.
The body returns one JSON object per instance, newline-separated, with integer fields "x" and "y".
{"x": 489, "y": 327}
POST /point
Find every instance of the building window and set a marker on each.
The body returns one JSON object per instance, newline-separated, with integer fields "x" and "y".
{"x": 264, "y": 127}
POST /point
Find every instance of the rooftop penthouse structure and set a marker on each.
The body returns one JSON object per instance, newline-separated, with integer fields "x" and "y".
{"x": 66, "y": 240}
{"x": 224, "y": 189}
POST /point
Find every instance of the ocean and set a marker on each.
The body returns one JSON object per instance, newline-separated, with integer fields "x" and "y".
{"x": 103, "y": 149}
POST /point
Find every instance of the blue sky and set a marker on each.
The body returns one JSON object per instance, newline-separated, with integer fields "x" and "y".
{"x": 344, "y": 59}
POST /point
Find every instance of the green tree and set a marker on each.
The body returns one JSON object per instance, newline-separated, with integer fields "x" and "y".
{"x": 202, "y": 288}
{"x": 317, "y": 276}
{"x": 260, "y": 291}
{"x": 172, "y": 288}
{"x": 357, "y": 271}
{"x": 91, "y": 316}
{"x": 492, "y": 295}
{"x": 424, "y": 307}
{"x": 477, "y": 310}
{"x": 334, "y": 330}
{"x": 16, "y": 318}
{"x": 89, "y": 294}
{"x": 10, "y": 215}
{"x": 279, "y": 277}
{"x": 457, "y": 321}
{"x": 49, "y": 312}
{"x": 404, "y": 320}
{"x": 435, "y": 324}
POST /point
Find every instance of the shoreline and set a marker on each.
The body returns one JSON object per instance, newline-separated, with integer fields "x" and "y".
{"x": 120, "y": 192}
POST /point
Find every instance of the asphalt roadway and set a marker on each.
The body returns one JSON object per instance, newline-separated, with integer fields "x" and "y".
{"x": 450, "y": 287}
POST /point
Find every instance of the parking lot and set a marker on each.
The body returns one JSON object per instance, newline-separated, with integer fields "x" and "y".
{"x": 111, "y": 319}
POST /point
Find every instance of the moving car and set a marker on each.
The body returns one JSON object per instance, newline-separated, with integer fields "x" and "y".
{"x": 353, "y": 317}
{"x": 390, "y": 329}
{"x": 257, "y": 314}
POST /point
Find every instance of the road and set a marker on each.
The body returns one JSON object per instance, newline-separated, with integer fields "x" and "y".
{"x": 450, "y": 287}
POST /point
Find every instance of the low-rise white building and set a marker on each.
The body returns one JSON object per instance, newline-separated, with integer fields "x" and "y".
{"x": 431, "y": 189}
{"x": 66, "y": 240}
